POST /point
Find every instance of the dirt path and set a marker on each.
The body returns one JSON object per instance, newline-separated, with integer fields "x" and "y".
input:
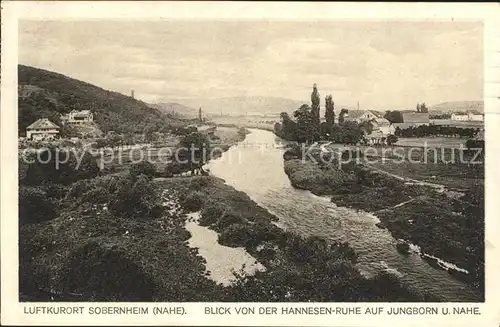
{"x": 396, "y": 206}
{"x": 439, "y": 187}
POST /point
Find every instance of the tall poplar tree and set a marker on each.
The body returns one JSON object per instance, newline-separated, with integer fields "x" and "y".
{"x": 329, "y": 111}
{"x": 315, "y": 99}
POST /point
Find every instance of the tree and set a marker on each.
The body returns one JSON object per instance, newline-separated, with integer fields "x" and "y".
{"x": 391, "y": 139}
{"x": 329, "y": 111}
{"x": 352, "y": 133}
{"x": 288, "y": 130}
{"x": 277, "y": 129}
{"x": 367, "y": 127}
{"x": 307, "y": 129}
{"x": 148, "y": 133}
{"x": 394, "y": 116}
{"x": 61, "y": 167}
{"x": 200, "y": 116}
{"x": 315, "y": 99}
{"x": 145, "y": 168}
{"x": 193, "y": 151}
{"x": 101, "y": 143}
{"x": 68, "y": 130}
{"x": 421, "y": 107}
{"x": 343, "y": 112}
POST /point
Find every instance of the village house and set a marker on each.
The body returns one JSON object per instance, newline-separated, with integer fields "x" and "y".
{"x": 380, "y": 133}
{"x": 360, "y": 116}
{"x": 78, "y": 117}
{"x": 470, "y": 116}
{"x": 413, "y": 119}
{"x": 42, "y": 129}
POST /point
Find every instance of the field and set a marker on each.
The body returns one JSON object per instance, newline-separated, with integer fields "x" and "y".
{"x": 463, "y": 124}
{"x": 451, "y": 176}
{"x": 446, "y": 166}
{"x": 450, "y": 142}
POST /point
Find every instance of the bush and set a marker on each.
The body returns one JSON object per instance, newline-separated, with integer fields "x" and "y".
{"x": 35, "y": 206}
{"x": 97, "y": 194}
{"x": 106, "y": 271}
{"x": 61, "y": 167}
{"x": 392, "y": 139}
{"x": 193, "y": 201}
{"x": 235, "y": 235}
{"x": 211, "y": 213}
{"x": 56, "y": 191}
{"x": 78, "y": 188}
{"x": 136, "y": 199}
{"x": 229, "y": 218}
{"x": 143, "y": 168}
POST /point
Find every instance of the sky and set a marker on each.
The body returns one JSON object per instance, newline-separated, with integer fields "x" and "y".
{"x": 381, "y": 64}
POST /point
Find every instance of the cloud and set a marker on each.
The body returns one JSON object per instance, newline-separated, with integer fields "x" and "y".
{"x": 381, "y": 64}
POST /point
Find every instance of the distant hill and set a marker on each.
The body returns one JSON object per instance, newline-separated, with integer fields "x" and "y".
{"x": 48, "y": 94}
{"x": 245, "y": 105}
{"x": 176, "y": 109}
{"x": 456, "y": 106}
{"x": 250, "y": 105}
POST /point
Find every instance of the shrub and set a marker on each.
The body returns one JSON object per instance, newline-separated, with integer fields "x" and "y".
{"x": 35, "y": 206}
{"x": 56, "y": 191}
{"x": 136, "y": 199}
{"x": 392, "y": 139}
{"x": 235, "y": 235}
{"x": 143, "y": 168}
{"x": 107, "y": 272}
{"x": 61, "y": 167}
{"x": 193, "y": 201}
{"x": 229, "y": 218}
{"x": 211, "y": 213}
{"x": 97, "y": 194}
{"x": 78, "y": 188}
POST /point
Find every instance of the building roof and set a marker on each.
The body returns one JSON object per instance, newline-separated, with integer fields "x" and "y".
{"x": 354, "y": 114}
{"x": 42, "y": 123}
{"x": 467, "y": 113}
{"x": 81, "y": 113}
{"x": 381, "y": 121}
{"x": 415, "y": 117}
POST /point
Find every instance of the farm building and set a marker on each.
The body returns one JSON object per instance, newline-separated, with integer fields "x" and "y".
{"x": 467, "y": 117}
{"x": 42, "y": 129}
{"x": 415, "y": 119}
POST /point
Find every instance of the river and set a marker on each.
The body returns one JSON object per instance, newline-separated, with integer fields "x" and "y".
{"x": 255, "y": 166}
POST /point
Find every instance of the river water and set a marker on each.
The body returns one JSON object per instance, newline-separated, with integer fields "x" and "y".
{"x": 255, "y": 166}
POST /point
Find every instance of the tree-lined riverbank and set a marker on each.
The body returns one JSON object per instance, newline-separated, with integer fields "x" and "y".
{"x": 449, "y": 227}
{"x": 123, "y": 237}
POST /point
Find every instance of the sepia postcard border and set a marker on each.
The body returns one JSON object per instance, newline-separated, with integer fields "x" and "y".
{"x": 12, "y": 311}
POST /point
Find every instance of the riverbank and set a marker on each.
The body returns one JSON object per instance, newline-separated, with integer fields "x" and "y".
{"x": 125, "y": 237}
{"x": 296, "y": 268}
{"x": 448, "y": 227}
{"x": 100, "y": 248}
{"x": 109, "y": 238}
